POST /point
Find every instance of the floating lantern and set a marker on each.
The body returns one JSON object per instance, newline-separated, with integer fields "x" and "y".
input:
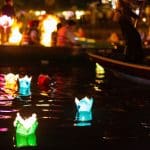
{"x": 25, "y": 86}
{"x": 84, "y": 109}
{"x": 99, "y": 69}
{"x": 44, "y": 82}
{"x": 8, "y": 86}
{"x": 25, "y": 130}
{"x": 11, "y": 85}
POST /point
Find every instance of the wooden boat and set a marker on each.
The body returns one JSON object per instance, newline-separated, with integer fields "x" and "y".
{"x": 133, "y": 72}
{"x": 37, "y": 54}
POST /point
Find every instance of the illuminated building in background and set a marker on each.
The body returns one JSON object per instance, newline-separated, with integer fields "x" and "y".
{"x": 25, "y": 131}
{"x": 84, "y": 111}
{"x": 24, "y": 86}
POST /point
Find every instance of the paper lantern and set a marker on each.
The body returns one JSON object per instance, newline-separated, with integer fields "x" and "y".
{"x": 26, "y": 130}
{"x": 25, "y": 86}
{"x": 11, "y": 85}
{"x": 84, "y": 109}
{"x": 100, "y": 71}
{"x": 44, "y": 82}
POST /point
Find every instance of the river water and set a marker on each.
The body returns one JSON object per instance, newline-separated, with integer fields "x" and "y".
{"x": 120, "y": 111}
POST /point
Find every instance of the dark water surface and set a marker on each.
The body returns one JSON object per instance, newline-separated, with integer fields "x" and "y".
{"x": 121, "y": 110}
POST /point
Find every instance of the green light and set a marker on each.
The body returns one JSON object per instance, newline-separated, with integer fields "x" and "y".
{"x": 25, "y": 131}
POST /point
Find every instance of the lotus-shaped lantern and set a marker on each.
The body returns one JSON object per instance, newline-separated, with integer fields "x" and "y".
{"x": 25, "y": 130}
{"x": 44, "y": 82}
{"x": 25, "y": 86}
{"x": 84, "y": 109}
{"x": 100, "y": 71}
{"x": 11, "y": 85}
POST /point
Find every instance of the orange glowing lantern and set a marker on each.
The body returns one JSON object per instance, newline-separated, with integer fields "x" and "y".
{"x": 11, "y": 85}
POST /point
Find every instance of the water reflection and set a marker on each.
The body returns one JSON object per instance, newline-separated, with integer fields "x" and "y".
{"x": 100, "y": 76}
{"x": 120, "y": 111}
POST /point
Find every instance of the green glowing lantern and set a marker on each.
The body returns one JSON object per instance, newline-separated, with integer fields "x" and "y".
{"x": 26, "y": 130}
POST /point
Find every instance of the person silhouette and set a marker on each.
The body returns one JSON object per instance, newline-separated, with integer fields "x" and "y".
{"x": 66, "y": 34}
{"x": 125, "y": 16}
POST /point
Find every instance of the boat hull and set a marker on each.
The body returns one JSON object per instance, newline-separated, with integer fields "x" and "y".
{"x": 135, "y": 72}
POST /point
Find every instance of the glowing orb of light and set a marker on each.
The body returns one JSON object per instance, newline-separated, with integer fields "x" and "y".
{"x": 6, "y": 21}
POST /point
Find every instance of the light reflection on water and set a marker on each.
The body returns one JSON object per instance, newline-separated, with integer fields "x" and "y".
{"x": 120, "y": 111}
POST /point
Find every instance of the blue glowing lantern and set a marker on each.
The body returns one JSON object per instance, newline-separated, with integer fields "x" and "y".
{"x": 26, "y": 131}
{"x": 25, "y": 86}
{"x": 84, "y": 109}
